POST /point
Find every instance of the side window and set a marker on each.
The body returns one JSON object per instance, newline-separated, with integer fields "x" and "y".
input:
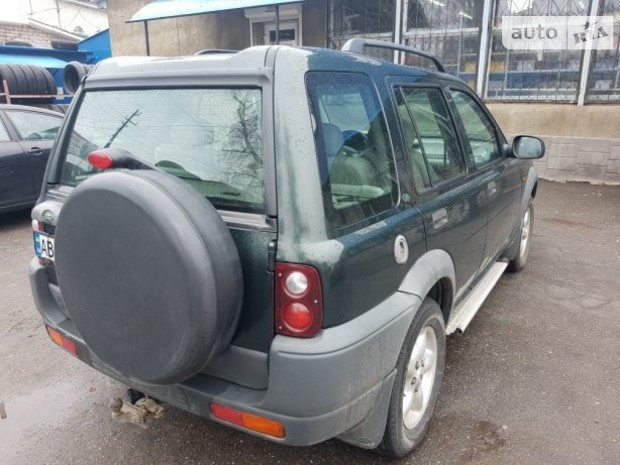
{"x": 35, "y": 126}
{"x": 4, "y": 135}
{"x": 483, "y": 146}
{"x": 439, "y": 142}
{"x": 421, "y": 177}
{"x": 355, "y": 158}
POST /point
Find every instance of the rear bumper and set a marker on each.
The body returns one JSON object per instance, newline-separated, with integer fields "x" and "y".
{"x": 320, "y": 388}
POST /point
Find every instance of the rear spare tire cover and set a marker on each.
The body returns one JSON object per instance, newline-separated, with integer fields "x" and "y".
{"x": 149, "y": 273}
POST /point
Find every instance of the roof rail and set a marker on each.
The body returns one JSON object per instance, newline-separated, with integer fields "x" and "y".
{"x": 215, "y": 51}
{"x": 359, "y": 46}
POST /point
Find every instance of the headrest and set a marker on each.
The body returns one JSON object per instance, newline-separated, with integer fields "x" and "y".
{"x": 332, "y": 138}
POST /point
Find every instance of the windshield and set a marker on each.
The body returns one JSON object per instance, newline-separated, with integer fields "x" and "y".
{"x": 209, "y": 138}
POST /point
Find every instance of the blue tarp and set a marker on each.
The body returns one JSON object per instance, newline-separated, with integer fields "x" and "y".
{"x": 160, "y": 9}
{"x": 43, "y": 61}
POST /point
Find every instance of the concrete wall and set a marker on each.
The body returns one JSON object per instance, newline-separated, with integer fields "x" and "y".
{"x": 185, "y": 36}
{"x": 315, "y": 23}
{"x": 175, "y": 36}
{"x": 583, "y": 143}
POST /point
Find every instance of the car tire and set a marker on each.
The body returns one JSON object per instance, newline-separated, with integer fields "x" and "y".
{"x": 20, "y": 80}
{"x": 63, "y": 45}
{"x": 6, "y": 74}
{"x": 524, "y": 240}
{"x": 422, "y": 354}
{"x": 18, "y": 43}
{"x": 73, "y": 75}
{"x": 47, "y": 81}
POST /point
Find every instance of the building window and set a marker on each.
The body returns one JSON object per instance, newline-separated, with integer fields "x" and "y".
{"x": 449, "y": 29}
{"x": 362, "y": 18}
{"x": 545, "y": 75}
{"x": 604, "y": 83}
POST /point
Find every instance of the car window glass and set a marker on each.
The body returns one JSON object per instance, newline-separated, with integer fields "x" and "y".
{"x": 479, "y": 129}
{"x": 210, "y": 138}
{"x": 439, "y": 142}
{"x": 4, "y": 135}
{"x": 35, "y": 126}
{"x": 421, "y": 177}
{"x": 355, "y": 156}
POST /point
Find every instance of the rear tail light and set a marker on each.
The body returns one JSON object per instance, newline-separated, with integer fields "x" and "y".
{"x": 100, "y": 160}
{"x": 248, "y": 421}
{"x": 62, "y": 341}
{"x": 299, "y": 300}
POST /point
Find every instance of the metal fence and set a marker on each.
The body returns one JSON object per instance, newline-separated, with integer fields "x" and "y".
{"x": 466, "y": 35}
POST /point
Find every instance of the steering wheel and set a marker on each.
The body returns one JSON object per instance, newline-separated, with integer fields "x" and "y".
{"x": 355, "y": 139}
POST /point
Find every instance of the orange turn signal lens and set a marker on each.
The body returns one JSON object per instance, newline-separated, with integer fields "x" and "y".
{"x": 248, "y": 421}
{"x": 62, "y": 341}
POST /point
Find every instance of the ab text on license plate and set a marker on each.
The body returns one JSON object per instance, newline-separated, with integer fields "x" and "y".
{"x": 44, "y": 246}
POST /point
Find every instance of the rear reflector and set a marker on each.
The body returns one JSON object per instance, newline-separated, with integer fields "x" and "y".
{"x": 248, "y": 421}
{"x": 62, "y": 341}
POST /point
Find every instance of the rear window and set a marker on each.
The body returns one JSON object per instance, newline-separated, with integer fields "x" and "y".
{"x": 209, "y": 138}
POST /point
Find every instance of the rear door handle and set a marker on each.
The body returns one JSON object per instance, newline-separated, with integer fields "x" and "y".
{"x": 492, "y": 188}
{"x": 440, "y": 218}
{"x": 36, "y": 151}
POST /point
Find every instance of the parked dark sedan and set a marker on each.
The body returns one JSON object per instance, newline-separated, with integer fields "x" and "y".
{"x": 26, "y": 138}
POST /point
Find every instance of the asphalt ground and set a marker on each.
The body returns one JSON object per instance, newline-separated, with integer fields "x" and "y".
{"x": 534, "y": 380}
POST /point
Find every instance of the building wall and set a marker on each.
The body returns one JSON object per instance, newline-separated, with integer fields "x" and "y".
{"x": 175, "y": 36}
{"x": 183, "y": 36}
{"x": 68, "y": 15}
{"x": 35, "y": 36}
{"x": 583, "y": 142}
{"x": 315, "y": 23}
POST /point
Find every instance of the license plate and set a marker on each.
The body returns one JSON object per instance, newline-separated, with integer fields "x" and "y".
{"x": 44, "y": 246}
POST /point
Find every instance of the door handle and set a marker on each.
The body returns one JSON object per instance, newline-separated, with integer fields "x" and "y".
{"x": 440, "y": 218}
{"x": 492, "y": 188}
{"x": 36, "y": 151}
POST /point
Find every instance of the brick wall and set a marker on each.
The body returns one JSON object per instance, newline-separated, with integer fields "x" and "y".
{"x": 36, "y": 37}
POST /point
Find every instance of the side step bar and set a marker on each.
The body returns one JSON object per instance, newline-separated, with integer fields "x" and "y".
{"x": 467, "y": 309}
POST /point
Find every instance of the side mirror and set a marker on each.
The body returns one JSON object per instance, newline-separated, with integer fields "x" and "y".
{"x": 528, "y": 148}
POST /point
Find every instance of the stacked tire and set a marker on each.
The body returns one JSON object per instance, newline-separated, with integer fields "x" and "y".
{"x": 28, "y": 80}
{"x": 74, "y": 73}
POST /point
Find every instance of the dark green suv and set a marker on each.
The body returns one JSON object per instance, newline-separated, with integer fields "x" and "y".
{"x": 279, "y": 239}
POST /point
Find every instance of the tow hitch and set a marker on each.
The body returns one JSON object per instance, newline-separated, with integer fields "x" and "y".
{"x": 137, "y": 413}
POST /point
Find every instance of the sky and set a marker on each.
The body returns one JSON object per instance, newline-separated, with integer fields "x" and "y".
{"x": 14, "y": 10}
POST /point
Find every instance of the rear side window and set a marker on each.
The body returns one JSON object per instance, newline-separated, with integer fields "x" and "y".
{"x": 355, "y": 156}
{"x": 35, "y": 126}
{"x": 210, "y": 138}
{"x": 428, "y": 113}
